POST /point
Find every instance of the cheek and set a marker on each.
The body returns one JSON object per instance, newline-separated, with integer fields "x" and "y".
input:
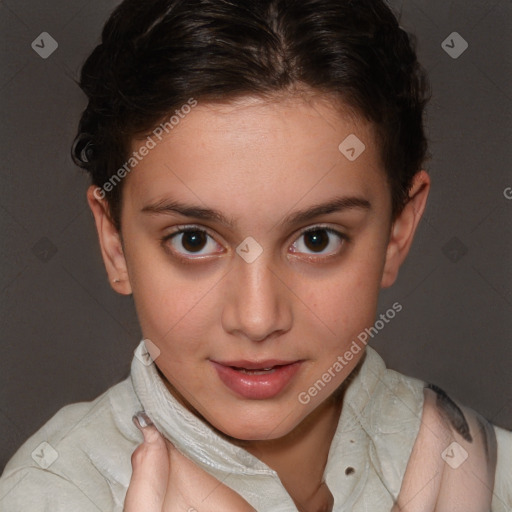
{"x": 343, "y": 303}
{"x": 175, "y": 314}
{"x": 169, "y": 303}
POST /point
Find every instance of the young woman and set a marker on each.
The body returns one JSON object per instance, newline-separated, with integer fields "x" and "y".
{"x": 257, "y": 179}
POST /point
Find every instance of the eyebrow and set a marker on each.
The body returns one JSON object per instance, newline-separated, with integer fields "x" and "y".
{"x": 334, "y": 205}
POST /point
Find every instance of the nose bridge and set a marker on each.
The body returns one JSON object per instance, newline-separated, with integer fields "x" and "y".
{"x": 257, "y": 306}
{"x": 258, "y": 283}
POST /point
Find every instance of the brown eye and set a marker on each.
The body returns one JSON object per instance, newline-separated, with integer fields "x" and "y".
{"x": 194, "y": 241}
{"x": 316, "y": 240}
{"x": 191, "y": 242}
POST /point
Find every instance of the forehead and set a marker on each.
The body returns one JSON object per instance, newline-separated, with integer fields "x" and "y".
{"x": 287, "y": 125}
{"x": 251, "y": 149}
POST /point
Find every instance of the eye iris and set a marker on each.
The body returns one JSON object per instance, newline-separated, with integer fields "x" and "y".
{"x": 193, "y": 241}
{"x": 317, "y": 240}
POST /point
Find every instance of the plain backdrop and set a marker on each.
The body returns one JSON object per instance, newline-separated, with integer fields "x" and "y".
{"x": 67, "y": 337}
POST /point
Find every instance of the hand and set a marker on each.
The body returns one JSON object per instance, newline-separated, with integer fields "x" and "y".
{"x": 164, "y": 480}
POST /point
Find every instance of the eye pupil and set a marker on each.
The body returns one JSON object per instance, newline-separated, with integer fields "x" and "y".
{"x": 194, "y": 240}
{"x": 317, "y": 240}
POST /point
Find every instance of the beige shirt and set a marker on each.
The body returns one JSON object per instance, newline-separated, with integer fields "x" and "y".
{"x": 80, "y": 459}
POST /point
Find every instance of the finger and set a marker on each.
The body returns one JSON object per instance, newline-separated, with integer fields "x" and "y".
{"x": 150, "y": 470}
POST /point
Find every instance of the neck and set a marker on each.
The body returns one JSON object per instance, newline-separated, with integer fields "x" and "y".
{"x": 310, "y": 441}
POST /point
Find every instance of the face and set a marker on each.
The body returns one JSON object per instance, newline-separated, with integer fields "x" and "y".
{"x": 252, "y": 242}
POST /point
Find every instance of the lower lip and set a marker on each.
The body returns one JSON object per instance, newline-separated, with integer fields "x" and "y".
{"x": 257, "y": 387}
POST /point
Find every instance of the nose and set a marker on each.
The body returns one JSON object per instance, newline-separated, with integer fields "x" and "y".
{"x": 258, "y": 305}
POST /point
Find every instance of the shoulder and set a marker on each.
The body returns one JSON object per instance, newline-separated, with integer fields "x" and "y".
{"x": 78, "y": 460}
{"x": 31, "y": 489}
{"x": 429, "y": 449}
{"x": 453, "y": 464}
{"x": 502, "y": 499}
{"x": 391, "y": 419}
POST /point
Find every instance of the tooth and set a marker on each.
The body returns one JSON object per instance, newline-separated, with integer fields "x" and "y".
{"x": 257, "y": 371}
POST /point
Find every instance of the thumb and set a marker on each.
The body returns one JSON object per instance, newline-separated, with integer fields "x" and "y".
{"x": 150, "y": 470}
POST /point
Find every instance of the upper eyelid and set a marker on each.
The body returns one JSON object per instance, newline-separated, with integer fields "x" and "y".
{"x": 318, "y": 227}
{"x": 188, "y": 228}
{"x": 194, "y": 227}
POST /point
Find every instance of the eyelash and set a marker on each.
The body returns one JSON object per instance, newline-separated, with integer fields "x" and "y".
{"x": 196, "y": 229}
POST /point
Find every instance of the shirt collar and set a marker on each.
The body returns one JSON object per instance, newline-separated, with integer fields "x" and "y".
{"x": 200, "y": 443}
{"x": 189, "y": 434}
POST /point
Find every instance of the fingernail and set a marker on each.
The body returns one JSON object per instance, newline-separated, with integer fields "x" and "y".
{"x": 141, "y": 420}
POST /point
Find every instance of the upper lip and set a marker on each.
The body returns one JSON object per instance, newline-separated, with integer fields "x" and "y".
{"x": 255, "y": 365}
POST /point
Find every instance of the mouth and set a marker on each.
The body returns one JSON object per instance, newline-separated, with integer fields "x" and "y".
{"x": 257, "y": 380}
{"x": 263, "y": 371}
{"x": 264, "y": 364}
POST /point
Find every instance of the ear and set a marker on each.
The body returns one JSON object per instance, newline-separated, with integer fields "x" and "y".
{"x": 404, "y": 227}
{"x": 110, "y": 242}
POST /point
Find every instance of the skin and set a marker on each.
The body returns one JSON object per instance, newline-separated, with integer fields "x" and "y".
{"x": 258, "y": 162}
{"x": 463, "y": 483}
{"x": 164, "y": 480}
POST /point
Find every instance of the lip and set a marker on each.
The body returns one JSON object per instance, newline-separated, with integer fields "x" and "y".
{"x": 256, "y": 386}
{"x": 254, "y": 365}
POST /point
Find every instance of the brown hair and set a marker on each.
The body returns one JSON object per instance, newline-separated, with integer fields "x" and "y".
{"x": 157, "y": 54}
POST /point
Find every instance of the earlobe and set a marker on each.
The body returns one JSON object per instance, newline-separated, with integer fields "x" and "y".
{"x": 404, "y": 228}
{"x": 110, "y": 243}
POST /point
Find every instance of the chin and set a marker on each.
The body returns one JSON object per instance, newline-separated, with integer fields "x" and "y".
{"x": 254, "y": 430}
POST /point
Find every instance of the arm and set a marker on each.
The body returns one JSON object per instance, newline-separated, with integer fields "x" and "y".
{"x": 453, "y": 462}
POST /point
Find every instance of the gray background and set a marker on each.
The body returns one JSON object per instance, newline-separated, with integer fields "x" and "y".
{"x": 67, "y": 336}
